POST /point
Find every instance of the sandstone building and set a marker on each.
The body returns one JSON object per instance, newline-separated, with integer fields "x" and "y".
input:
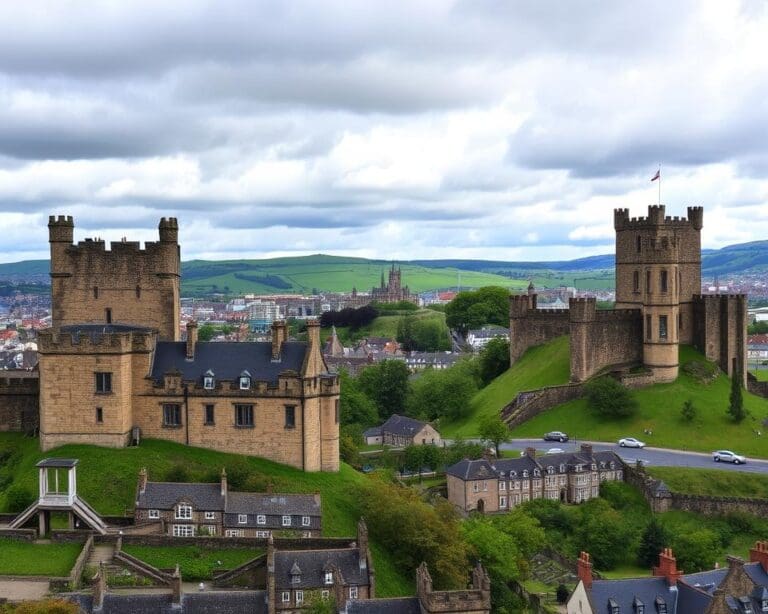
{"x": 658, "y": 307}
{"x": 112, "y": 365}
{"x": 393, "y": 291}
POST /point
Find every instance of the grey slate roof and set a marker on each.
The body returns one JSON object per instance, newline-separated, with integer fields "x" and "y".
{"x": 472, "y": 470}
{"x": 62, "y": 463}
{"x": 624, "y": 592}
{"x": 374, "y": 431}
{"x": 402, "y": 426}
{"x": 312, "y": 564}
{"x": 278, "y": 504}
{"x": 220, "y": 602}
{"x": 400, "y": 605}
{"x": 164, "y": 495}
{"x": 227, "y": 360}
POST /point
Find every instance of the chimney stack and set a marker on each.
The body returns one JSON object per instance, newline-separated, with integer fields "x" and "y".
{"x": 142, "y": 480}
{"x": 279, "y": 336}
{"x": 313, "y": 332}
{"x": 584, "y": 569}
{"x": 191, "y": 339}
{"x": 530, "y": 452}
{"x": 224, "y": 486}
{"x": 362, "y": 544}
{"x": 586, "y": 448}
{"x": 667, "y": 567}
{"x": 759, "y": 554}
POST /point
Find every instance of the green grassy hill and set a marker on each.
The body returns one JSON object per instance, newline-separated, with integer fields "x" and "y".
{"x": 107, "y": 480}
{"x": 544, "y": 365}
{"x": 329, "y": 273}
{"x": 548, "y": 365}
{"x": 383, "y": 326}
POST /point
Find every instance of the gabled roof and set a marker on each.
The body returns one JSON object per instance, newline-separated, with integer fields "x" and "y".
{"x": 277, "y": 504}
{"x": 625, "y": 592}
{"x": 227, "y": 360}
{"x": 221, "y": 602}
{"x": 402, "y": 426}
{"x": 313, "y": 563}
{"x": 472, "y": 470}
{"x": 165, "y": 495}
{"x": 374, "y": 431}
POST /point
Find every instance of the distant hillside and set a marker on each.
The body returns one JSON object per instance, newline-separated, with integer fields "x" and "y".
{"x": 303, "y": 274}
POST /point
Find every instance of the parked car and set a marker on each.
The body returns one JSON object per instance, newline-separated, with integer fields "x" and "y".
{"x": 631, "y": 442}
{"x": 555, "y": 451}
{"x": 556, "y": 436}
{"x": 727, "y": 456}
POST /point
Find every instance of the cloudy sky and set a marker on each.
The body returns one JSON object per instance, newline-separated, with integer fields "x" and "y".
{"x": 417, "y": 129}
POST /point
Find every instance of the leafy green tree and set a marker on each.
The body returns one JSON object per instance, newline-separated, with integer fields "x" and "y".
{"x": 603, "y": 532}
{"x": 348, "y": 450}
{"x": 441, "y": 393}
{"x": 696, "y": 550}
{"x": 414, "y": 531}
{"x": 758, "y": 328}
{"x": 318, "y": 605}
{"x": 405, "y": 332}
{"x": 386, "y": 384}
{"x": 423, "y": 334}
{"x": 205, "y": 332}
{"x": 493, "y": 431}
{"x": 494, "y": 359}
{"x": 609, "y": 398}
{"x": 355, "y": 407}
{"x": 461, "y": 449}
{"x": 413, "y": 457}
{"x": 473, "y": 309}
{"x": 653, "y": 540}
{"x": 736, "y": 406}
{"x": 688, "y": 411}
{"x": 525, "y": 530}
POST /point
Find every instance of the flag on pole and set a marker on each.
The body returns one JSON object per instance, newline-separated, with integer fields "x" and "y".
{"x": 657, "y": 175}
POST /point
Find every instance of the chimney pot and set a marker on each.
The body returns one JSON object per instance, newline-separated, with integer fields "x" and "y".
{"x": 191, "y": 339}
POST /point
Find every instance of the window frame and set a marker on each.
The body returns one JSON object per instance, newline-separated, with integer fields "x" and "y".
{"x": 283, "y": 522}
{"x": 328, "y": 578}
{"x": 100, "y": 415}
{"x": 209, "y": 382}
{"x": 261, "y": 519}
{"x": 242, "y": 519}
{"x": 244, "y": 382}
{"x": 183, "y": 530}
{"x": 290, "y": 416}
{"x": 353, "y": 592}
{"x": 178, "y": 512}
{"x": 306, "y": 521}
{"x": 244, "y": 415}
{"x": 663, "y": 327}
{"x": 286, "y": 596}
{"x": 172, "y": 410}
{"x": 299, "y": 597}
{"x": 153, "y": 514}
{"x": 209, "y": 411}
{"x": 210, "y": 515}
{"x": 103, "y": 382}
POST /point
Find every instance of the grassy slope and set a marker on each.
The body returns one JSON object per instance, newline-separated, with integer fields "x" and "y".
{"x": 195, "y": 563}
{"x": 18, "y": 558}
{"x": 107, "y": 480}
{"x": 715, "y": 482}
{"x": 660, "y": 412}
{"x": 544, "y": 365}
{"x": 383, "y": 326}
{"x": 329, "y": 273}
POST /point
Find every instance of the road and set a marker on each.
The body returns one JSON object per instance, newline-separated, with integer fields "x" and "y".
{"x": 655, "y": 457}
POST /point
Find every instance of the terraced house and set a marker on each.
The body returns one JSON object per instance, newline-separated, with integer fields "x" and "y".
{"x": 186, "y": 509}
{"x": 113, "y": 366}
{"x": 498, "y": 486}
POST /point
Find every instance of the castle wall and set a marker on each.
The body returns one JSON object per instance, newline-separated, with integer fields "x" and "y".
{"x": 529, "y": 326}
{"x": 19, "y": 400}
{"x": 603, "y": 338}
{"x": 137, "y": 286}
{"x": 720, "y": 325}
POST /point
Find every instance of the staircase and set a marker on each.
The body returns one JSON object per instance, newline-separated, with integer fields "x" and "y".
{"x": 103, "y": 553}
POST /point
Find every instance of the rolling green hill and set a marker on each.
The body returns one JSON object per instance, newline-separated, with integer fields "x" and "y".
{"x": 383, "y": 326}
{"x": 107, "y": 480}
{"x": 659, "y": 411}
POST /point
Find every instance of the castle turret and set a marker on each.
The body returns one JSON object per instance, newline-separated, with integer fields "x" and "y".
{"x": 169, "y": 230}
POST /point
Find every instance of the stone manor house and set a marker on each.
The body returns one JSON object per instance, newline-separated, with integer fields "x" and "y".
{"x": 113, "y": 365}
{"x": 658, "y": 307}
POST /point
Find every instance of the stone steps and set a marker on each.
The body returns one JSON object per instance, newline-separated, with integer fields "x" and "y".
{"x": 101, "y": 553}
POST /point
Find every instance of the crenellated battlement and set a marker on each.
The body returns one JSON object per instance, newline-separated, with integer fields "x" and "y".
{"x": 657, "y": 218}
{"x": 720, "y": 297}
{"x": 91, "y": 341}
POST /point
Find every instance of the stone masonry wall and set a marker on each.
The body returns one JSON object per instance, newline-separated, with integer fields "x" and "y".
{"x": 19, "y": 401}
{"x": 530, "y": 403}
{"x": 529, "y": 326}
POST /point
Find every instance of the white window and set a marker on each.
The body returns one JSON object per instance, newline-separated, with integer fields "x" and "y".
{"x": 210, "y": 515}
{"x": 234, "y": 533}
{"x": 502, "y": 502}
{"x": 184, "y": 512}
{"x": 475, "y": 486}
{"x": 245, "y": 380}
{"x": 154, "y": 514}
{"x": 502, "y": 485}
{"x": 286, "y": 596}
{"x": 211, "y": 528}
{"x": 305, "y": 521}
{"x": 353, "y": 592}
{"x": 299, "y": 597}
{"x": 242, "y": 518}
{"x": 262, "y": 534}
{"x": 306, "y": 534}
{"x": 328, "y": 578}
{"x": 485, "y": 484}
{"x": 325, "y": 594}
{"x": 261, "y": 519}
{"x": 183, "y": 530}
{"x": 286, "y": 521}
{"x": 208, "y": 382}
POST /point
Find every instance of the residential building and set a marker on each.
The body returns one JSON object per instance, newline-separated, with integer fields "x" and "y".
{"x": 503, "y": 484}
{"x": 479, "y": 338}
{"x": 187, "y": 509}
{"x": 402, "y": 431}
{"x": 739, "y": 588}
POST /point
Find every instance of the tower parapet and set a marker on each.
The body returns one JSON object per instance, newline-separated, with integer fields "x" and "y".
{"x": 169, "y": 230}
{"x": 61, "y": 229}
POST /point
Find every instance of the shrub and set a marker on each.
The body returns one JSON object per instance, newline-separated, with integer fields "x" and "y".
{"x": 177, "y": 473}
{"x": 609, "y": 398}
{"x": 238, "y": 472}
{"x": 688, "y": 411}
{"x": 703, "y": 371}
{"x": 562, "y": 593}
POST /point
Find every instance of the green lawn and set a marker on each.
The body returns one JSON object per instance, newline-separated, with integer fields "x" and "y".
{"x": 544, "y": 365}
{"x": 660, "y": 412}
{"x": 19, "y": 558}
{"x": 760, "y": 374}
{"x": 195, "y": 563}
{"x": 717, "y": 482}
{"x": 107, "y": 480}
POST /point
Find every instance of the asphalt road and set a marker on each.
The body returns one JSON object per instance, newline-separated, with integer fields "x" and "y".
{"x": 654, "y": 457}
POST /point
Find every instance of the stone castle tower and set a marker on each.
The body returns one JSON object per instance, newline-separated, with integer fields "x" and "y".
{"x": 658, "y": 271}
{"x": 90, "y": 284}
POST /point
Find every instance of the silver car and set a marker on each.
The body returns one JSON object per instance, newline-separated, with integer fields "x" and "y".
{"x": 631, "y": 442}
{"x": 726, "y": 456}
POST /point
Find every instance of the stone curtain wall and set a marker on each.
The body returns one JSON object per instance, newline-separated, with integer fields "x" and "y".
{"x": 530, "y": 403}
{"x": 529, "y": 326}
{"x": 757, "y": 387}
{"x": 720, "y": 328}
{"x": 19, "y": 402}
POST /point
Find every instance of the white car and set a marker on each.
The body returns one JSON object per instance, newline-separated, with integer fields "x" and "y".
{"x": 555, "y": 451}
{"x": 727, "y": 456}
{"x": 631, "y": 442}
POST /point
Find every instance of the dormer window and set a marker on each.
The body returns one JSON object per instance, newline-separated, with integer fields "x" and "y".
{"x": 746, "y": 605}
{"x": 550, "y": 470}
{"x": 536, "y": 473}
{"x": 562, "y": 468}
{"x": 638, "y": 606}
{"x": 328, "y": 578}
{"x": 764, "y": 605}
{"x": 245, "y": 380}
{"x": 661, "y": 606}
{"x": 184, "y": 512}
{"x": 209, "y": 381}
{"x": 579, "y": 467}
{"x": 525, "y": 473}
{"x": 613, "y": 606}
{"x": 613, "y": 465}
{"x": 594, "y": 467}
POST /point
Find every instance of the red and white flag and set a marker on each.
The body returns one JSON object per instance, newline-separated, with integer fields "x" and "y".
{"x": 657, "y": 175}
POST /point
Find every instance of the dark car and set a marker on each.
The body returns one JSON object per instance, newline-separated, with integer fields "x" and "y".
{"x": 556, "y": 436}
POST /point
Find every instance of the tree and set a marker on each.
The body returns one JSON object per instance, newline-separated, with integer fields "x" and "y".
{"x": 489, "y": 305}
{"x": 609, "y": 398}
{"x": 442, "y": 393}
{"x": 205, "y": 332}
{"x": 653, "y": 540}
{"x": 493, "y": 431}
{"x": 355, "y": 407}
{"x": 494, "y": 359}
{"x": 688, "y": 411}
{"x": 603, "y": 532}
{"x": 386, "y": 384}
{"x": 736, "y": 407}
{"x": 423, "y": 335}
{"x": 348, "y": 451}
{"x": 318, "y": 605}
{"x": 696, "y": 550}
